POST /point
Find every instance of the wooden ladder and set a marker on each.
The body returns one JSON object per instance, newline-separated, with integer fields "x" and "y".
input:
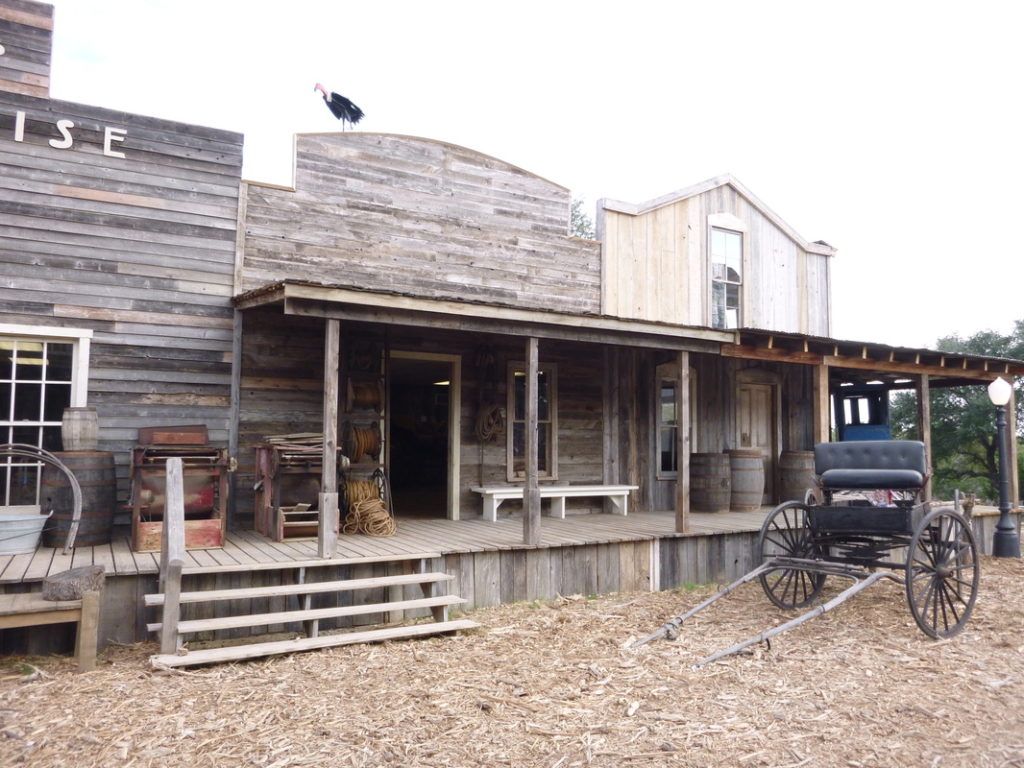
{"x": 172, "y": 629}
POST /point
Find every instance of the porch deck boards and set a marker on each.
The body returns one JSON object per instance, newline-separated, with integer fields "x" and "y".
{"x": 414, "y": 535}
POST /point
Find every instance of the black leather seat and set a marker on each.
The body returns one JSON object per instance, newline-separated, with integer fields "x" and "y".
{"x": 871, "y": 464}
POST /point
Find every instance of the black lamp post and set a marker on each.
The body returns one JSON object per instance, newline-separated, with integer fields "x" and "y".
{"x": 1005, "y": 542}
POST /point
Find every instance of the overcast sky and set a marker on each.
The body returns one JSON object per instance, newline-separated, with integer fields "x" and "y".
{"x": 891, "y": 130}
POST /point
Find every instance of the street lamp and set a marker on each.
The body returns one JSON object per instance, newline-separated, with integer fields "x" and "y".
{"x": 1005, "y": 542}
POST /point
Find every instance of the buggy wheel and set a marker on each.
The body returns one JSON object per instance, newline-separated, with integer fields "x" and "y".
{"x": 942, "y": 573}
{"x": 786, "y": 532}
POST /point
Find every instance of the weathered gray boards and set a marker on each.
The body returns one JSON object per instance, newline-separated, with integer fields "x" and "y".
{"x": 121, "y": 227}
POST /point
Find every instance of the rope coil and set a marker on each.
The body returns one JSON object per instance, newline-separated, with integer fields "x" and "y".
{"x": 367, "y": 512}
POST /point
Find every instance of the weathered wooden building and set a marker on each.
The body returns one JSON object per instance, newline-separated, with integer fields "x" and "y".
{"x": 117, "y": 243}
{"x": 424, "y": 308}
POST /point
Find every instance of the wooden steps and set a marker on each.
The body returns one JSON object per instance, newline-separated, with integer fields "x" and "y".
{"x": 359, "y": 597}
{"x": 277, "y": 647}
{"x": 306, "y": 588}
{"x": 192, "y": 626}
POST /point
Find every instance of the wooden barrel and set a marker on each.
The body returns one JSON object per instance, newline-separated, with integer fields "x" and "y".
{"x": 79, "y": 429}
{"x": 95, "y": 473}
{"x": 710, "y": 482}
{"x": 796, "y": 474}
{"x": 747, "y": 474}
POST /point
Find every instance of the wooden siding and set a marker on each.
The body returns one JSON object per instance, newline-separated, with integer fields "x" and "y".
{"x": 138, "y": 249}
{"x": 26, "y": 34}
{"x": 419, "y": 217}
{"x": 656, "y": 265}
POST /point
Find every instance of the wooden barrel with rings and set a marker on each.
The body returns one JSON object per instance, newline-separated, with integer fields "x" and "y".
{"x": 79, "y": 429}
{"x": 710, "y": 482}
{"x": 95, "y": 473}
{"x": 747, "y": 474}
{"x": 796, "y": 475}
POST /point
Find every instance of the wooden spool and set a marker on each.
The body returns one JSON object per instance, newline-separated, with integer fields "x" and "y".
{"x": 80, "y": 429}
{"x": 94, "y": 471}
{"x": 365, "y": 395}
{"x": 796, "y": 474}
{"x": 361, "y": 441}
{"x": 710, "y": 482}
{"x": 747, "y": 474}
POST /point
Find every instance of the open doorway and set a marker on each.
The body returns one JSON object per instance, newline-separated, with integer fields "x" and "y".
{"x": 422, "y": 396}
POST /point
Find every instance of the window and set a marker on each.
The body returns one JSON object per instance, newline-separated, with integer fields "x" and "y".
{"x": 726, "y": 250}
{"x": 668, "y": 428}
{"x": 668, "y": 425}
{"x": 547, "y": 422}
{"x": 40, "y": 376}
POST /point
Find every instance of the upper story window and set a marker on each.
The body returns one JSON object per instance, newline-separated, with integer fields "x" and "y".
{"x": 547, "y": 422}
{"x": 726, "y": 250}
{"x": 40, "y": 376}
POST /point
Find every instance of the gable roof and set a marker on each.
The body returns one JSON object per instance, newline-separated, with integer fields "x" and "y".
{"x": 727, "y": 179}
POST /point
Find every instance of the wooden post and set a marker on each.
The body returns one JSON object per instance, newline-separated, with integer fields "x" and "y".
{"x": 327, "y": 531}
{"x": 531, "y": 494}
{"x": 172, "y": 555}
{"x": 822, "y": 432}
{"x": 924, "y": 428}
{"x": 88, "y": 631}
{"x": 1011, "y": 446}
{"x": 234, "y": 417}
{"x": 683, "y": 445}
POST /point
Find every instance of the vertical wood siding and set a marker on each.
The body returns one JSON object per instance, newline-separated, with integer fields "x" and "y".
{"x": 655, "y": 266}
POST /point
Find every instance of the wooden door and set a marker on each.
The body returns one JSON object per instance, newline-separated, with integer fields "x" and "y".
{"x": 755, "y": 428}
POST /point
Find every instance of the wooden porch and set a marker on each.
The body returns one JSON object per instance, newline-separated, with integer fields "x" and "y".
{"x": 248, "y": 550}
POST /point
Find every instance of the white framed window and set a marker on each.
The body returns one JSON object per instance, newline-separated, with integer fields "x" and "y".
{"x": 726, "y": 255}
{"x": 547, "y": 421}
{"x": 42, "y": 372}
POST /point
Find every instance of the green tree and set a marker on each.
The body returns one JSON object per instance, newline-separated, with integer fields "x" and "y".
{"x": 964, "y": 451}
{"x": 580, "y": 224}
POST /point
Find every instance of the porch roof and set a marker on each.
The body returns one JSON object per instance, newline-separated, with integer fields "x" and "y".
{"x": 861, "y": 362}
{"x": 347, "y": 303}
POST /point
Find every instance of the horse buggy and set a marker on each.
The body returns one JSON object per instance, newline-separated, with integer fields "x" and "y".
{"x": 864, "y": 521}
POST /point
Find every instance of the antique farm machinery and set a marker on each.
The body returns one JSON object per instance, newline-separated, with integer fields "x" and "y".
{"x": 836, "y": 531}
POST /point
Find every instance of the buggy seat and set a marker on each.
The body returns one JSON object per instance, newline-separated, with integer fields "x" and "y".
{"x": 871, "y": 464}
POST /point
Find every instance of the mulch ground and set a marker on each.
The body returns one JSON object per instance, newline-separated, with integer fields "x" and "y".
{"x": 555, "y": 685}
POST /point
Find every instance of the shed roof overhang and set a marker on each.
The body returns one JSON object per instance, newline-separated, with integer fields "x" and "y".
{"x": 859, "y": 362}
{"x": 347, "y": 303}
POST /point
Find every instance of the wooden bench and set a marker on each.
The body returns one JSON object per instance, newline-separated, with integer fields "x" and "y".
{"x": 28, "y": 609}
{"x": 493, "y": 495}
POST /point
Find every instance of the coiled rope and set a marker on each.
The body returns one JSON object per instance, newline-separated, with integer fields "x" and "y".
{"x": 367, "y": 512}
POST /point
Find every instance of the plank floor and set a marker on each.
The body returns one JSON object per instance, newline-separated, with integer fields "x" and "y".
{"x": 415, "y": 535}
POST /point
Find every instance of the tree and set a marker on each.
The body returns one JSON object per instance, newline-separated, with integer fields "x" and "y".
{"x": 964, "y": 451}
{"x": 580, "y": 224}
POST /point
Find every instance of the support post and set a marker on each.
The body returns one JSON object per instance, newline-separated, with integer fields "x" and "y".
{"x": 531, "y": 494}
{"x": 172, "y": 556}
{"x": 234, "y": 416}
{"x": 822, "y": 432}
{"x": 683, "y": 444}
{"x": 1011, "y": 445}
{"x": 1005, "y": 542}
{"x": 327, "y": 532}
{"x": 924, "y": 428}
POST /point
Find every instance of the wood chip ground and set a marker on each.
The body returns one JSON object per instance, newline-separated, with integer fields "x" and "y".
{"x": 554, "y": 685}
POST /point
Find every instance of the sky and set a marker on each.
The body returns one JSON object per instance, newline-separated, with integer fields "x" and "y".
{"x": 894, "y": 131}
